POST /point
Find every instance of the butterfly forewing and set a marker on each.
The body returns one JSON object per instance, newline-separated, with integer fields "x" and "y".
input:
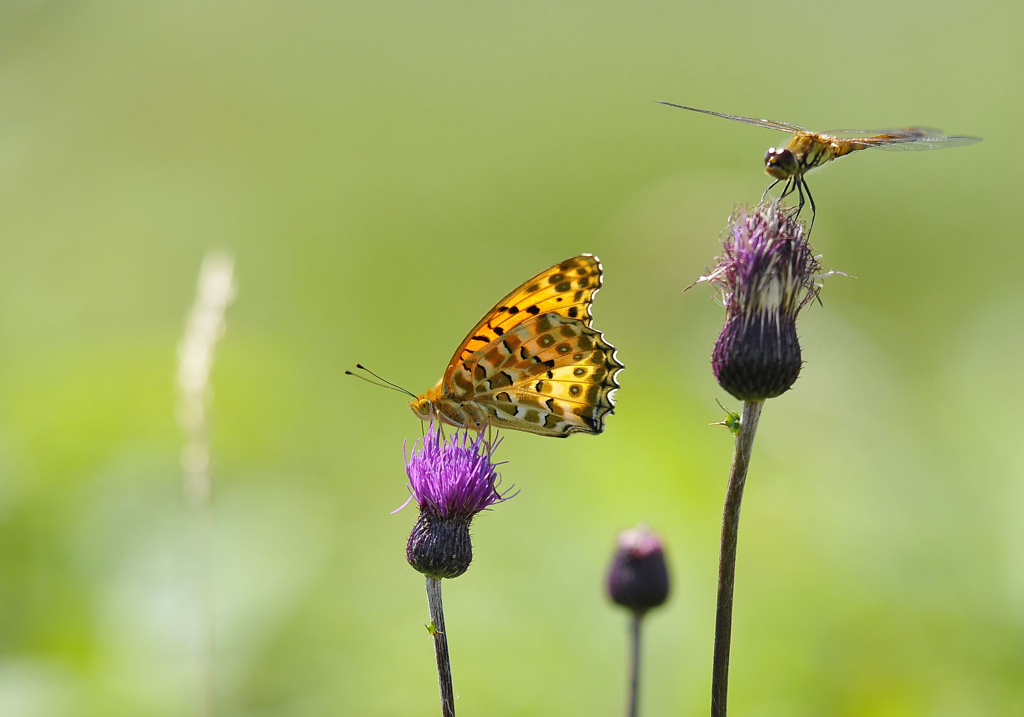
{"x": 566, "y": 289}
{"x": 533, "y": 363}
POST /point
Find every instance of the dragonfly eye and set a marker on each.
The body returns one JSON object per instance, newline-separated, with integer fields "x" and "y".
{"x": 780, "y": 163}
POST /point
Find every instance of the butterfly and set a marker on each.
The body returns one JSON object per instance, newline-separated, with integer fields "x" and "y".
{"x": 533, "y": 363}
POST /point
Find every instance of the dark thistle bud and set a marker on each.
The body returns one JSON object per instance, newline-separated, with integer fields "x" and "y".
{"x": 638, "y": 576}
{"x": 766, "y": 274}
{"x": 451, "y": 480}
{"x": 439, "y": 548}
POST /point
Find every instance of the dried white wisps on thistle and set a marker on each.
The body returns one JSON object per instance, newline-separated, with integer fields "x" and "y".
{"x": 204, "y": 327}
{"x": 767, "y": 268}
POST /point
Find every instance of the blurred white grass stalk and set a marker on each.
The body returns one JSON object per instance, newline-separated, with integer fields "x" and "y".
{"x": 203, "y": 329}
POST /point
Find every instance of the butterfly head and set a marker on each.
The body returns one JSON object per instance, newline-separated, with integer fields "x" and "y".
{"x": 423, "y": 407}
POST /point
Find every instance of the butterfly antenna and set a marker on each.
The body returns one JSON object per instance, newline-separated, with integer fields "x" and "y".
{"x": 384, "y": 383}
{"x": 393, "y": 385}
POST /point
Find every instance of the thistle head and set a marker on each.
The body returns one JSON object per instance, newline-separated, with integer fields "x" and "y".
{"x": 638, "y": 576}
{"x": 451, "y": 480}
{"x": 766, "y": 274}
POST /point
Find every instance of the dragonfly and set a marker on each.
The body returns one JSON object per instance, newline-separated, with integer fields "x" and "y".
{"x": 807, "y": 150}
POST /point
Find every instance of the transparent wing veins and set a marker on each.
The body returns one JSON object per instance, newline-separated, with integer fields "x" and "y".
{"x": 766, "y": 123}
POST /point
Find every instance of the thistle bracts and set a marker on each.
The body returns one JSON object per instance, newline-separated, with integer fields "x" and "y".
{"x": 638, "y": 576}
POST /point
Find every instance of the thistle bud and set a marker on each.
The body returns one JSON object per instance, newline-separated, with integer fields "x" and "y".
{"x": 638, "y": 575}
{"x": 451, "y": 480}
{"x": 766, "y": 274}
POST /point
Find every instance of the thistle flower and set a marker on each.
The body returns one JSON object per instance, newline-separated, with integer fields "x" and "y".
{"x": 638, "y": 576}
{"x": 766, "y": 274}
{"x": 638, "y": 581}
{"x": 451, "y": 479}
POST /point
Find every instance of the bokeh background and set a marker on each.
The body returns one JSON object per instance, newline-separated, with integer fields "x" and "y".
{"x": 384, "y": 172}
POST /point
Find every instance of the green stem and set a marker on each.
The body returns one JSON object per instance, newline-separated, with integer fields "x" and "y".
{"x": 444, "y": 665}
{"x": 727, "y": 561}
{"x": 634, "y": 665}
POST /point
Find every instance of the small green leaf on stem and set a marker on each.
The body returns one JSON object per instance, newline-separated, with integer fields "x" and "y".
{"x": 732, "y": 419}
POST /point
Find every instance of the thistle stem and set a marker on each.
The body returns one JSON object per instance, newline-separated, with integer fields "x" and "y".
{"x": 634, "y": 665}
{"x": 727, "y": 561}
{"x": 444, "y": 665}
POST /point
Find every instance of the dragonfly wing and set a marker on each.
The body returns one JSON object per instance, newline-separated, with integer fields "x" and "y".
{"x": 922, "y": 144}
{"x": 766, "y": 123}
{"x": 889, "y": 132}
{"x": 904, "y": 139}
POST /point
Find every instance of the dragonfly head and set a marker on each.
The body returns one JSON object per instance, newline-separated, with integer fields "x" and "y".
{"x": 780, "y": 163}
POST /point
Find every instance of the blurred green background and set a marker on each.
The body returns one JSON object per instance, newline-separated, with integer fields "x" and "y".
{"x": 384, "y": 172}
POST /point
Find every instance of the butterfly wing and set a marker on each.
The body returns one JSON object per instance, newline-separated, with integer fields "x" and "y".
{"x": 566, "y": 289}
{"x": 552, "y": 375}
{"x": 533, "y": 363}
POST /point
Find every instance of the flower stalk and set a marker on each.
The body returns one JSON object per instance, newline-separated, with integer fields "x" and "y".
{"x": 744, "y": 445}
{"x": 634, "y": 664}
{"x": 437, "y": 631}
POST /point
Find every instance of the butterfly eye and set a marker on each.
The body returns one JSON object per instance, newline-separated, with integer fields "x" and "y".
{"x": 421, "y": 407}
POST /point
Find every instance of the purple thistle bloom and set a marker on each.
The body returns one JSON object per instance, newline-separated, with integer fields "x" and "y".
{"x": 454, "y": 476}
{"x": 452, "y": 479}
{"x": 766, "y": 274}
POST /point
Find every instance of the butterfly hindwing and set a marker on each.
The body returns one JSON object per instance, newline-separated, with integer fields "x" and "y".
{"x": 552, "y": 375}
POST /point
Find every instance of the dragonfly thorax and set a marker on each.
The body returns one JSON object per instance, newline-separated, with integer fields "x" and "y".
{"x": 780, "y": 163}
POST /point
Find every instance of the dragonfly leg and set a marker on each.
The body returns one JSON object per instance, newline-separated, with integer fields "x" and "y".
{"x": 770, "y": 186}
{"x": 787, "y": 190}
{"x": 810, "y": 199}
